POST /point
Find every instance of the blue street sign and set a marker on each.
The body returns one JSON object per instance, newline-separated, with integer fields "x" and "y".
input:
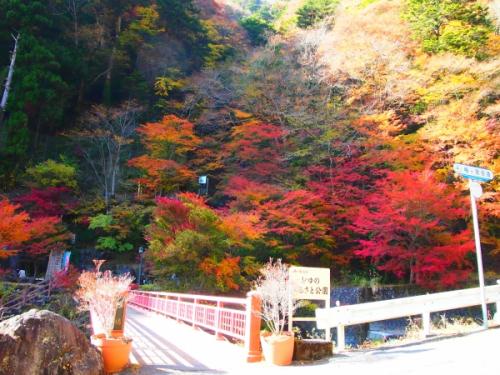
{"x": 473, "y": 173}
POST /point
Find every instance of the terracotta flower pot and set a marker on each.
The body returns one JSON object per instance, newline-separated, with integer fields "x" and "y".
{"x": 115, "y": 351}
{"x": 277, "y": 349}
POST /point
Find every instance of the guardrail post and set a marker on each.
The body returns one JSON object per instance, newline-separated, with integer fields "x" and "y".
{"x": 252, "y": 327}
{"x": 177, "y": 318}
{"x": 496, "y": 317}
{"x": 217, "y": 317}
{"x": 340, "y": 338}
{"x": 426, "y": 323}
{"x": 193, "y": 311}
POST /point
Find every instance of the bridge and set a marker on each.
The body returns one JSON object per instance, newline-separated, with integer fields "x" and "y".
{"x": 182, "y": 333}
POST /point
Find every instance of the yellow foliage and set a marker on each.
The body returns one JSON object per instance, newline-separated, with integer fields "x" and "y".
{"x": 241, "y": 115}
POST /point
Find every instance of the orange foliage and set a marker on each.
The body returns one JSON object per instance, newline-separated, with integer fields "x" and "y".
{"x": 240, "y": 226}
{"x": 13, "y": 227}
{"x": 162, "y": 174}
{"x": 18, "y": 232}
{"x": 384, "y": 123}
{"x": 167, "y": 141}
{"x": 171, "y": 130}
{"x": 249, "y": 194}
{"x": 224, "y": 271}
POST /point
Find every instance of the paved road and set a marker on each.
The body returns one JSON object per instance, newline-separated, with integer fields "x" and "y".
{"x": 162, "y": 346}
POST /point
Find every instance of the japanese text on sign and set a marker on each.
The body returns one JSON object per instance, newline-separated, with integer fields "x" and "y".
{"x": 310, "y": 283}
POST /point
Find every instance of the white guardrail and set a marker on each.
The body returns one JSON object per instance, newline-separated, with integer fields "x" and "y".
{"x": 342, "y": 316}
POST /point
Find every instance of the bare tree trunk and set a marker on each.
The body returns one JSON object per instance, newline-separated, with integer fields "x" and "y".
{"x": 8, "y": 82}
{"x": 111, "y": 63}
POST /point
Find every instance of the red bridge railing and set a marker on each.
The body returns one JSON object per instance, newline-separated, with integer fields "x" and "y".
{"x": 224, "y": 316}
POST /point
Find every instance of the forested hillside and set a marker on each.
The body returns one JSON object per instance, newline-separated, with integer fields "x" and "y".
{"x": 327, "y": 130}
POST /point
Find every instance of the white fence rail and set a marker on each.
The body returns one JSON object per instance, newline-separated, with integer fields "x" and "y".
{"x": 342, "y": 316}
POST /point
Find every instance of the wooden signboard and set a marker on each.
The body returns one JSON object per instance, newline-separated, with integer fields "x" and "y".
{"x": 310, "y": 283}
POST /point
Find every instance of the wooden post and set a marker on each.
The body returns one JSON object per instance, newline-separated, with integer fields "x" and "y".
{"x": 340, "y": 338}
{"x": 252, "y": 328}
{"x": 426, "y": 324}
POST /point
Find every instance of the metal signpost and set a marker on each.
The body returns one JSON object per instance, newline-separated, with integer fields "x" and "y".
{"x": 309, "y": 283}
{"x": 141, "y": 255}
{"x": 476, "y": 175}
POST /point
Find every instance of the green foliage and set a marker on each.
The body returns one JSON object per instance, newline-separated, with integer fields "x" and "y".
{"x": 7, "y": 291}
{"x": 306, "y": 309}
{"x": 365, "y": 3}
{"x": 257, "y": 28}
{"x": 101, "y": 221}
{"x": 314, "y": 11}
{"x": 181, "y": 19}
{"x": 120, "y": 230}
{"x": 64, "y": 304}
{"x": 458, "y": 26}
{"x": 169, "y": 83}
{"x": 51, "y": 173}
{"x": 40, "y": 93}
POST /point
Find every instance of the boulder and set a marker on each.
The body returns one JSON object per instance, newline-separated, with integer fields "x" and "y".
{"x": 312, "y": 350}
{"x": 40, "y": 342}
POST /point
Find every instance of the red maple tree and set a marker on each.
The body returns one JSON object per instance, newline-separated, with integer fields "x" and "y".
{"x": 32, "y": 236}
{"x": 412, "y": 226}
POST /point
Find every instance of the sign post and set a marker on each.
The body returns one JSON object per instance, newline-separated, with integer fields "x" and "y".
{"x": 309, "y": 283}
{"x": 476, "y": 175}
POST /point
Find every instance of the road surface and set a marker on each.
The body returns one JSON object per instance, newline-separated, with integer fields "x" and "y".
{"x": 163, "y": 346}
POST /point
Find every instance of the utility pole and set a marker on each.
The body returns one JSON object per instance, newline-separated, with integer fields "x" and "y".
{"x": 8, "y": 81}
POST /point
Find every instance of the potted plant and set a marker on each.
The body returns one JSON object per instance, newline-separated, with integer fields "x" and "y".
{"x": 275, "y": 290}
{"x": 101, "y": 293}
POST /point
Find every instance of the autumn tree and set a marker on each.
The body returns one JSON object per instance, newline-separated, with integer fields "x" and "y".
{"x": 168, "y": 143}
{"x": 314, "y": 11}
{"x": 102, "y": 141}
{"x": 298, "y": 227}
{"x": 51, "y": 201}
{"x": 413, "y": 227}
{"x": 19, "y": 233}
{"x": 458, "y": 26}
{"x": 256, "y": 150}
{"x": 51, "y": 173}
{"x": 192, "y": 241}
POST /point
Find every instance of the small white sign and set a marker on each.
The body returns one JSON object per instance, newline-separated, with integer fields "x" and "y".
{"x": 310, "y": 283}
{"x": 473, "y": 173}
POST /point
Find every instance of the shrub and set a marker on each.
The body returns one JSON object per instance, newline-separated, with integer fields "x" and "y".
{"x": 51, "y": 173}
{"x": 314, "y": 11}
{"x": 275, "y": 289}
{"x": 256, "y": 28}
{"x": 101, "y": 293}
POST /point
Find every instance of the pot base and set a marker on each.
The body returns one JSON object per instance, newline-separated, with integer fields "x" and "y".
{"x": 278, "y": 349}
{"x": 115, "y": 351}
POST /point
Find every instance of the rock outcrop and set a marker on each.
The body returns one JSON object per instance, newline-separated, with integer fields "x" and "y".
{"x": 40, "y": 342}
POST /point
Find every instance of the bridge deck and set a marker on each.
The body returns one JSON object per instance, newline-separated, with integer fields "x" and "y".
{"x": 163, "y": 344}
